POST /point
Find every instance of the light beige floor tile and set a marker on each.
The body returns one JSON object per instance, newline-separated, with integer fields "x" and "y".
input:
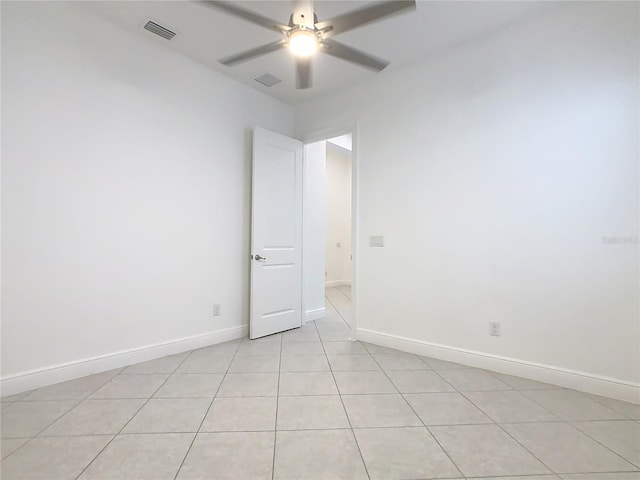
{"x": 630, "y": 410}
{"x": 486, "y": 450}
{"x": 94, "y": 416}
{"x": 525, "y": 477}
{"x": 408, "y": 452}
{"x": 146, "y": 456}
{"x": 307, "y": 383}
{"x": 130, "y": 386}
{"x": 16, "y": 397}
{"x": 226, "y": 348}
{"x": 564, "y": 449}
{"x": 345, "y": 348}
{"x": 318, "y": 455}
{"x": 205, "y": 363}
{"x": 160, "y": 365}
{"x": 302, "y": 348}
{"x": 168, "y": 415}
{"x": 229, "y": 455}
{"x": 71, "y": 390}
{"x": 367, "y": 411}
{"x": 510, "y": 407}
{"x": 399, "y": 361}
{"x": 571, "y": 405}
{"x": 259, "y": 348}
{"x": 446, "y": 409}
{"x": 53, "y": 458}
{"x": 303, "y": 334}
{"x": 363, "y": 383}
{"x": 602, "y": 476}
{"x": 341, "y": 335}
{"x": 255, "y": 364}
{"x": 473, "y": 380}
{"x": 10, "y": 445}
{"x": 181, "y": 385}
{"x": 520, "y": 383}
{"x": 436, "y": 364}
{"x": 304, "y": 363}
{"x": 319, "y": 412}
{"x": 621, "y": 436}
{"x": 419, "y": 381}
{"x": 27, "y": 419}
{"x": 249, "y": 385}
{"x": 372, "y": 349}
{"x": 352, "y": 363}
{"x": 241, "y": 414}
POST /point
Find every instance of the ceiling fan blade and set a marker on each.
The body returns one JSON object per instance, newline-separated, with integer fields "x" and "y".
{"x": 362, "y": 16}
{"x": 232, "y": 8}
{"x": 303, "y": 73}
{"x": 254, "y": 52}
{"x": 339, "y": 50}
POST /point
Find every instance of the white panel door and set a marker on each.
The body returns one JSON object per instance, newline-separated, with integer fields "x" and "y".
{"x": 276, "y": 234}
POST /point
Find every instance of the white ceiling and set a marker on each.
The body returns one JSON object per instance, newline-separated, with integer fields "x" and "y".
{"x": 205, "y": 35}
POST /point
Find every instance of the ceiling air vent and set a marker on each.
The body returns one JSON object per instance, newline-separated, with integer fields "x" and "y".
{"x": 159, "y": 30}
{"x": 267, "y": 80}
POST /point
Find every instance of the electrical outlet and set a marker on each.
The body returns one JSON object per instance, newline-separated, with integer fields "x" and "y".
{"x": 494, "y": 329}
{"x": 216, "y": 310}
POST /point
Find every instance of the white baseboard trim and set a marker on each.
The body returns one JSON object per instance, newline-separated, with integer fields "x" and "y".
{"x": 337, "y": 283}
{"x": 41, "y": 377}
{"x": 585, "y": 382}
{"x": 316, "y": 314}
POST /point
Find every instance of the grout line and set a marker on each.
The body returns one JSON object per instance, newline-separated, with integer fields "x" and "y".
{"x": 337, "y": 311}
{"x": 497, "y": 424}
{"x": 136, "y": 412}
{"x": 275, "y": 423}
{"x": 418, "y": 416}
{"x": 78, "y": 402}
{"x": 366, "y": 469}
{"x": 235, "y": 353}
{"x": 637, "y": 465}
{"x": 570, "y": 422}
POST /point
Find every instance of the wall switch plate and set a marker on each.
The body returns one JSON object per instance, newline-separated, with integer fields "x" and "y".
{"x": 376, "y": 241}
{"x": 494, "y": 329}
{"x": 216, "y": 310}
{"x": 338, "y": 244}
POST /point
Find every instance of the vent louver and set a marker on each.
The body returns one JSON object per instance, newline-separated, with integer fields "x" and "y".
{"x": 159, "y": 30}
{"x": 267, "y": 80}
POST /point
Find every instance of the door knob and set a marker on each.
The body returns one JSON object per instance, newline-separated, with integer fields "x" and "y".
{"x": 259, "y": 258}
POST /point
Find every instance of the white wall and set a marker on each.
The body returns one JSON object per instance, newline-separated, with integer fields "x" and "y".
{"x": 313, "y": 252}
{"x": 125, "y": 190}
{"x": 338, "y": 216}
{"x": 494, "y": 172}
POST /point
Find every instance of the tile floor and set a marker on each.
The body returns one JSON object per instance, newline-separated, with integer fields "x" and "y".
{"x": 310, "y": 404}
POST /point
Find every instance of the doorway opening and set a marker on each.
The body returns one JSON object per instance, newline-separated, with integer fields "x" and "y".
{"x": 329, "y": 232}
{"x": 338, "y": 254}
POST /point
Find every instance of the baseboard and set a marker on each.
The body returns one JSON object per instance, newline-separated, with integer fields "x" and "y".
{"x": 337, "y": 283}
{"x": 316, "y": 314}
{"x": 582, "y": 381}
{"x": 41, "y": 377}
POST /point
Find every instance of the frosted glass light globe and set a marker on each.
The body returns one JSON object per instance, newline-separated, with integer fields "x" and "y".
{"x": 303, "y": 43}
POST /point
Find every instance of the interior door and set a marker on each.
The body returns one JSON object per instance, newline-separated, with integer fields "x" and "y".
{"x": 276, "y": 234}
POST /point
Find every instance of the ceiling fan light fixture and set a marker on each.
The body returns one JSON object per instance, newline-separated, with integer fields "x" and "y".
{"x": 303, "y": 43}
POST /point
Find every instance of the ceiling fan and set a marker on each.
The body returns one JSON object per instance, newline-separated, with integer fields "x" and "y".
{"x": 304, "y": 35}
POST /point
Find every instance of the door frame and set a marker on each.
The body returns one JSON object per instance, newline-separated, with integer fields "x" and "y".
{"x": 323, "y": 135}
